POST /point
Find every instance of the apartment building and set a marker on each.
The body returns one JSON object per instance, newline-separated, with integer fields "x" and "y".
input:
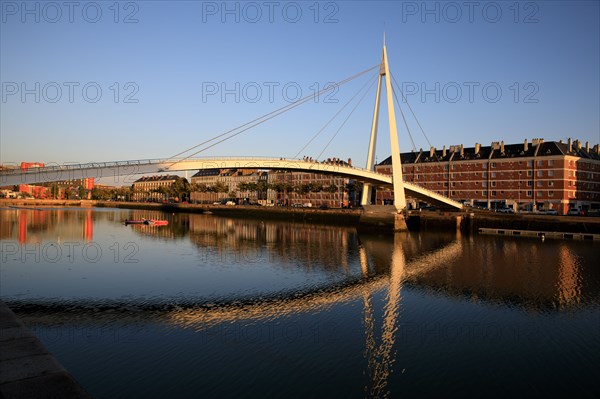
{"x": 526, "y": 176}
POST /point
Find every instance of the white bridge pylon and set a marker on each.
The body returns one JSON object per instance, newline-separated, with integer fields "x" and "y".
{"x": 397, "y": 182}
{"x": 131, "y": 169}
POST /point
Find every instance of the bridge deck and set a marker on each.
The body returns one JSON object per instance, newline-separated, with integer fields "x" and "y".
{"x": 129, "y": 169}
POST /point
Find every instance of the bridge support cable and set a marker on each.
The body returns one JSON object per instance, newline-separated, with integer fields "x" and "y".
{"x": 404, "y": 119}
{"x": 257, "y": 121}
{"x": 334, "y": 116}
{"x": 412, "y": 112}
{"x": 348, "y": 117}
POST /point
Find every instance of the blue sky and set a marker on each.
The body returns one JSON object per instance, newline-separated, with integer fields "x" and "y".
{"x": 472, "y": 72}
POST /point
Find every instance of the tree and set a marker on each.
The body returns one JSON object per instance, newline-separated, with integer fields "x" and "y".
{"x": 220, "y": 187}
{"x": 180, "y": 188}
{"x": 331, "y": 189}
{"x": 303, "y": 189}
{"x": 315, "y": 187}
{"x": 243, "y": 186}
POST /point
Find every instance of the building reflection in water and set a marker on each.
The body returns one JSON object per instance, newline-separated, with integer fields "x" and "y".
{"x": 29, "y": 226}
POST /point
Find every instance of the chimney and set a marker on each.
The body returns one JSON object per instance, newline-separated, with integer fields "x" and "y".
{"x": 477, "y": 148}
{"x": 570, "y": 144}
{"x": 587, "y": 147}
{"x": 597, "y": 149}
{"x": 578, "y": 144}
{"x": 462, "y": 150}
{"x": 444, "y": 152}
{"x": 525, "y": 146}
{"x": 431, "y": 152}
{"x": 502, "y": 146}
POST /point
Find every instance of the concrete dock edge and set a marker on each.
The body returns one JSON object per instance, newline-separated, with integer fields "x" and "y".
{"x": 27, "y": 369}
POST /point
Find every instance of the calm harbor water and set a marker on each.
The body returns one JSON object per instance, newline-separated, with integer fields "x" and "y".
{"x": 216, "y": 307}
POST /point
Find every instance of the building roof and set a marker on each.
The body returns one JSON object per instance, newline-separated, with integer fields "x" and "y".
{"x": 207, "y": 172}
{"x": 147, "y": 179}
{"x": 499, "y": 150}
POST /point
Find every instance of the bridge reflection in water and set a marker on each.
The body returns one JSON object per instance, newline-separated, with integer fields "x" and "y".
{"x": 496, "y": 271}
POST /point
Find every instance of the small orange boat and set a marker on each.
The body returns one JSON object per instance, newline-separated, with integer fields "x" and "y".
{"x": 151, "y": 222}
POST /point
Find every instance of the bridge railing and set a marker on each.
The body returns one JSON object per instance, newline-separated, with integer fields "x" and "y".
{"x": 158, "y": 161}
{"x": 433, "y": 194}
{"x": 73, "y": 166}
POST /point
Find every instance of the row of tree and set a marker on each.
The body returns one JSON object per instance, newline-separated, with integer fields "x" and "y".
{"x": 181, "y": 189}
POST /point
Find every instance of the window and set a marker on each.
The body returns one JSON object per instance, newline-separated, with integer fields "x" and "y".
{"x": 529, "y": 173}
{"x": 540, "y": 173}
{"x": 529, "y": 183}
{"x": 493, "y": 164}
{"x": 540, "y": 194}
{"x": 529, "y": 193}
{"x": 551, "y": 162}
{"x": 530, "y": 163}
{"x": 453, "y": 184}
{"x": 539, "y": 163}
{"x": 493, "y": 184}
{"x": 550, "y": 173}
{"x": 484, "y": 184}
{"x": 453, "y": 167}
{"x": 493, "y": 193}
{"x": 418, "y": 168}
{"x": 445, "y": 167}
{"x": 493, "y": 175}
{"x": 418, "y": 177}
{"x": 484, "y": 174}
{"x": 485, "y": 192}
{"x": 445, "y": 175}
{"x": 454, "y": 175}
{"x": 540, "y": 183}
{"x": 550, "y": 184}
{"x": 550, "y": 193}
{"x": 484, "y": 165}
{"x": 445, "y": 184}
{"x": 453, "y": 193}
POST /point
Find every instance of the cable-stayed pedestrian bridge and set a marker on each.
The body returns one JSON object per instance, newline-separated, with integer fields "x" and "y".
{"x": 181, "y": 162}
{"x": 129, "y": 170}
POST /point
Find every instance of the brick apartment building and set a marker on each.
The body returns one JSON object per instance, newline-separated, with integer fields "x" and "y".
{"x": 333, "y": 191}
{"x": 144, "y": 188}
{"x": 537, "y": 176}
{"x": 289, "y": 188}
{"x": 229, "y": 183}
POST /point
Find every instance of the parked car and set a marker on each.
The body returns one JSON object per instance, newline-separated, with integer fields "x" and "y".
{"x": 505, "y": 210}
{"x": 551, "y": 212}
{"x": 574, "y": 212}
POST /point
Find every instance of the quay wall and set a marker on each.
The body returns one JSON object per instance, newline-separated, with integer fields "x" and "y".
{"x": 372, "y": 218}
